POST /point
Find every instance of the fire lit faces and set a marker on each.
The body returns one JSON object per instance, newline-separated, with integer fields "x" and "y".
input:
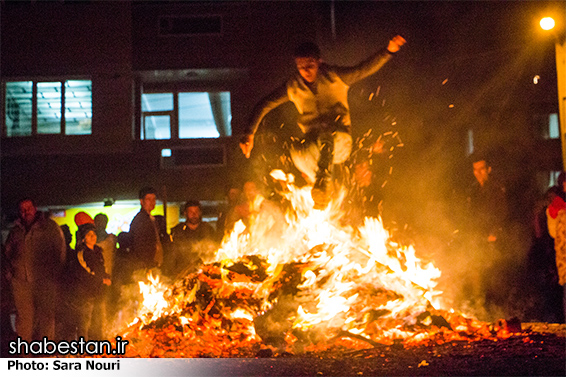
{"x": 193, "y": 214}
{"x": 27, "y": 212}
{"x": 250, "y": 191}
{"x": 90, "y": 239}
{"x": 481, "y": 171}
{"x": 234, "y": 195}
{"x": 308, "y": 68}
{"x": 148, "y": 202}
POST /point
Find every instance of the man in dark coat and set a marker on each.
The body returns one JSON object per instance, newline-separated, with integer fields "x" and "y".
{"x": 486, "y": 233}
{"x": 147, "y": 251}
{"x": 192, "y": 239}
{"x": 35, "y": 251}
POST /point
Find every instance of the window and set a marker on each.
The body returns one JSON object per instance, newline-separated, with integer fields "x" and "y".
{"x": 553, "y": 129}
{"x": 18, "y": 108}
{"x": 78, "y": 107}
{"x": 185, "y": 115}
{"x": 48, "y": 107}
{"x": 547, "y": 123}
{"x": 191, "y": 157}
{"x": 157, "y": 109}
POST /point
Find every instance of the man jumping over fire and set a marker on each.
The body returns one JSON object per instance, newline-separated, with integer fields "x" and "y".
{"x": 320, "y": 94}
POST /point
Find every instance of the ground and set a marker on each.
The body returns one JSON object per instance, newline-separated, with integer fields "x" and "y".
{"x": 541, "y": 352}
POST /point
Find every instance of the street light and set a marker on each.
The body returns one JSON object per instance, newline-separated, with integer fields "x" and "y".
{"x": 548, "y": 23}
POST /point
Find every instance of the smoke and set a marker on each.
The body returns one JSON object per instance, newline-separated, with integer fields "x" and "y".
{"x": 425, "y": 199}
{"x": 435, "y": 103}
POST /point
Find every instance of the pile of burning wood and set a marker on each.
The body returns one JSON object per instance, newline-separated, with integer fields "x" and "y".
{"x": 297, "y": 283}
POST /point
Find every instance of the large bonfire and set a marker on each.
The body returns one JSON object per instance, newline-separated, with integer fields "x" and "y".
{"x": 296, "y": 283}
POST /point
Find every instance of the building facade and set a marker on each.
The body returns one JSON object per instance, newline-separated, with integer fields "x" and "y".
{"x": 100, "y": 98}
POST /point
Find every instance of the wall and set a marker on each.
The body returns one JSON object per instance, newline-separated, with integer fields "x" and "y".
{"x": 111, "y": 42}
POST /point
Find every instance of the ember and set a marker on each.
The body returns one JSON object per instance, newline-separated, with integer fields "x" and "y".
{"x": 296, "y": 283}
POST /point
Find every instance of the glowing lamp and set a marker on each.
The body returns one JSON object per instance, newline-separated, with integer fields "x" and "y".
{"x": 547, "y": 23}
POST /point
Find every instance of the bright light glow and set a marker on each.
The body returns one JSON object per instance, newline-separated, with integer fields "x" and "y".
{"x": 154, "y": 303}
{"x": 547, "y": 23}
{"x": 166, "y": 152}
{"x": 536, "y": 79}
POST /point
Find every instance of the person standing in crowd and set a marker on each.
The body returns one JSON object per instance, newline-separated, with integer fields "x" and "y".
{"x": 147, "y": 251}
{"x": 556, "y": 216}
{"x": 81, "y": 218}
{"x": 35, "y": 251}
{"x": 90, "y": 277}
{"x": 250, "y": 206}
{"x": 259, "y": 214}
{"x": 107, "y": 242}
{"x": 487, "y": 202}
{"x": 557, "y": 197}
{"x": 68, "y": 240}
{"x": 486, "y": 217}
{"x": 192, "y": 239}
{"x": 164, "y": 236}
{"x": 545, "y": 291}
{"x": 233, "y": 198}
{"x": 320, "y": 94}
{"x": 104, "y": 314}
{"x": 7, "y": 310}
{"x": 122, "y": 278}
{"x": 64, "y": 322}
{"x": 369, "y": 173}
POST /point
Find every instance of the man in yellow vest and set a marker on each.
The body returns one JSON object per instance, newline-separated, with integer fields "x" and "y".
{"x": 320, "y": 94}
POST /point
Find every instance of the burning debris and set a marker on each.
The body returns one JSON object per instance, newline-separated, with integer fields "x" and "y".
{"x": 296, "y": 283}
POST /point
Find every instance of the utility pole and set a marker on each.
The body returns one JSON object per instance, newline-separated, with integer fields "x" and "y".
{"x": 548, "y": 23}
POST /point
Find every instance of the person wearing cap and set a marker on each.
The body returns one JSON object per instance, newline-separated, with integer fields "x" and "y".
{"x": 320, "y": 93}
{"x": 81, "y": 218}
{"x": 89, "y": 277}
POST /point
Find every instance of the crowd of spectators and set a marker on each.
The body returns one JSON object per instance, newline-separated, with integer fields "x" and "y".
{"x": 64, "y": 293}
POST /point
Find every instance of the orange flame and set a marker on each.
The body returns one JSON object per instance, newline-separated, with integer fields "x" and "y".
{"x": 349, "y": 274}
